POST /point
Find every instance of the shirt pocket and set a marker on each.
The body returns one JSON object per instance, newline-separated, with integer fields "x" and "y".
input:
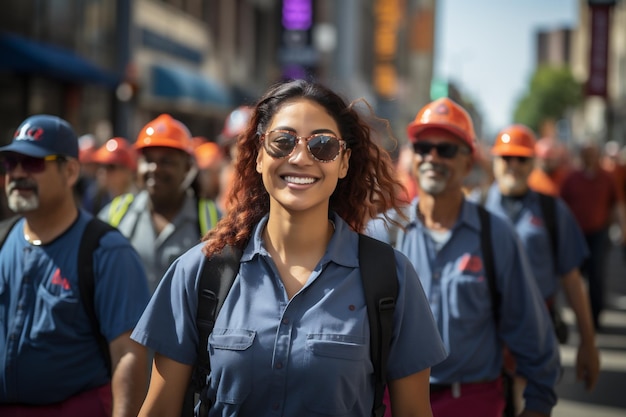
{"x": 231, "y": 364}
{"x": 55, "y": 317}
{"x": 470, "y": 299}
{"x": 340, "y": 371}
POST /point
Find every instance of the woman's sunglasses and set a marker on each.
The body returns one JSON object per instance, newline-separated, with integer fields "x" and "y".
{"x": 323, "y": 147}
{"x": 444, "y": 150}
{"x": 29, "y": 164}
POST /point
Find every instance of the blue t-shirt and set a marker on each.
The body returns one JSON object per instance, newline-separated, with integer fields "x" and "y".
{"x": 528, "y": 220}
{"x": 304, "y": 356}
{"x": 458, "y": 291}
{"x": 48, "y": 349}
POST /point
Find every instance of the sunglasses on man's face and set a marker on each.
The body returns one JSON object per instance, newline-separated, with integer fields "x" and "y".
{"x": 520, "y": 159}
{"x": 445, "y": 150}
{"x": 30, "y": 164}
{"x": 323, "y": 147}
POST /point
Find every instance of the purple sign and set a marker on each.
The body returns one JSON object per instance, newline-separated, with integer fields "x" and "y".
{"x": 297, "y": 14}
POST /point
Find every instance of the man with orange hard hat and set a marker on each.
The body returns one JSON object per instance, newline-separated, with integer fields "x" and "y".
{"x": 117, "y": 168}
{"x": 475, "y": 275}
{"x": 554, "y": 243}
{"x": 166, "y": 218}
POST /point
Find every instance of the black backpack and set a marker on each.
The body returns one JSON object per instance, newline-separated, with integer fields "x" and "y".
{"x": 380, "y": 283}
{"x": 90, "y": 241}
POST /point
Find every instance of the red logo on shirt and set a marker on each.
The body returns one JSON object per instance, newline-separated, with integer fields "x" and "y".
{"x": 536, "y": 221}
{"x": 470, "y": 263}
{"x": 57, "y": 279}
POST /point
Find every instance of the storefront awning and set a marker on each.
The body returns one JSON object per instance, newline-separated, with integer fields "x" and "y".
{"x": 173, "y": 82}
{"x": 26, "y": 56}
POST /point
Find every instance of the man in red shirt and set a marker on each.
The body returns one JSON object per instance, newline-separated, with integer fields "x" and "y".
{"x": 593, "y": 196}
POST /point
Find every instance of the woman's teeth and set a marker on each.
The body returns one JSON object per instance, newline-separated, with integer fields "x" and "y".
{"x": 300, "y": 180}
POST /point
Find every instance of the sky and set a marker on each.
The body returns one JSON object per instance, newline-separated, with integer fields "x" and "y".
{"x": 488, "y": 48}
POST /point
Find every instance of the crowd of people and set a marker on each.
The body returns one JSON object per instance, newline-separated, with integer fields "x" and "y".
{"x": 104, "y": 250}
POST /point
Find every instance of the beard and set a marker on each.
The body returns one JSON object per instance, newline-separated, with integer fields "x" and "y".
{"x": 510, "y": 184}
{"x": 433, "y": 185}
{"x": 19, "y": 203}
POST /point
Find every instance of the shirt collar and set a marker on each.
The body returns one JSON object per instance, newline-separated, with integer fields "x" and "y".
{"x": 342, "y": 248}
{"x": 468, "y": 215}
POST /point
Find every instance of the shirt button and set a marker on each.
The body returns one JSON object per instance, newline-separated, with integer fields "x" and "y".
{"x": 436, "y": 275}
{"x": 285, "y": 321}
{"x": 13, "y": 336}
{"x": 279, "y": 365}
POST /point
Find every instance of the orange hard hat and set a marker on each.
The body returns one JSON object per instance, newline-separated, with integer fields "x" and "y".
{"x": 515, "y": 140}
{"x": 116, "y": 151}
{"x": 443, "y": 114}
{"x": 165, "y": 132}
{"x": 197, "y": 141}
{"x": 207, "y": 154}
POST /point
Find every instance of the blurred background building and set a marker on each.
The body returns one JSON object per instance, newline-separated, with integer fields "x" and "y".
{"x": 108, "y": 66}
{"x": 595, "y": 51}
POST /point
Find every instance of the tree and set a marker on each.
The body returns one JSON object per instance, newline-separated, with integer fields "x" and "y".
{"x": 553, "y": 90}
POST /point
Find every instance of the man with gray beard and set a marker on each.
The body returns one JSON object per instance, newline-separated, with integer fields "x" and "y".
{"x": 479, "y": 301}
{"x": 52, "y": 362}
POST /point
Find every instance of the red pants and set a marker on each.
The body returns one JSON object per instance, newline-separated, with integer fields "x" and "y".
{"x": 97, "y": 402}
{"x": 484, "y": 399}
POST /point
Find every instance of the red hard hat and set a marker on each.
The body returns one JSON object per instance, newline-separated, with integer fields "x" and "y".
{"x": 165, "y": 132}
{"x": 443, "y": 114}
{"x": 515, "y": 140}
{"x": 86, "y": 148}
{"x": 236, "y": 123}
{"x": 116, "y": 151}
{"x": 548, "y": 148}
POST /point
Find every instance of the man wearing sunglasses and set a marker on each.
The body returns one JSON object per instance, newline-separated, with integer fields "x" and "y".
{"x": 555, "y": 264}
{"x": 442, "y": 238}
{"x": 51, "y": 362}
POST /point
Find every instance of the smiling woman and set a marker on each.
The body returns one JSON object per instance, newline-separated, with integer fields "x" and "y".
{"x": 309, "y": 177}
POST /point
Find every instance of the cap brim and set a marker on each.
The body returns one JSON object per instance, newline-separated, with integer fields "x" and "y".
{"x": 513, "y": 150}
{"x": 414, "y": 130}
{"x": 25, "y": 147}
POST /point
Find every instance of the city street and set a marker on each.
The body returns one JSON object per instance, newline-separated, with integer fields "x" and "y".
{"x": 609, "y": 397}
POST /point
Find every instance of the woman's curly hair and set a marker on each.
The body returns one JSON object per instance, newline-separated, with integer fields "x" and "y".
{"x": 369, "y": 189}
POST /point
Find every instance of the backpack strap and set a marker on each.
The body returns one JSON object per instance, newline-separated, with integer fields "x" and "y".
{"x": 548, "y": 210}
{"x": 486, "y": 247}
{"x": 217, "y": 275}
{"x": 5, "y": 227}
{"x": 90, "y": 241}
{"x": 377, "y": 264}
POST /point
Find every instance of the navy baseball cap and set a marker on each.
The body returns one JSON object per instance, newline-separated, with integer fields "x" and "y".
{"x": 43, "y": 135}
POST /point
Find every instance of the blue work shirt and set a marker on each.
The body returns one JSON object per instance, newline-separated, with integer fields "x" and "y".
{"x": 455, "y": 283}
{"x": 304, "y": 356}
{"x": 528, "y": 220}
{"x": 48, "y": 351}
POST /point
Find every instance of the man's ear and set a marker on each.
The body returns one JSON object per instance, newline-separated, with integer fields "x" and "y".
{"x": 72, "y": 170}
